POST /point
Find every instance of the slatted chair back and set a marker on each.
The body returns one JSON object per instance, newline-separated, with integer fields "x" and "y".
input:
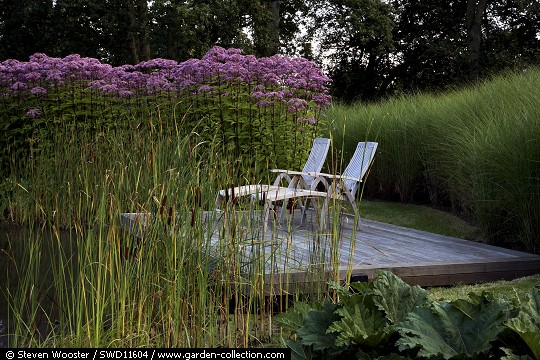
{"x": 359, "y": 164}
{"x": 316, "y": 159}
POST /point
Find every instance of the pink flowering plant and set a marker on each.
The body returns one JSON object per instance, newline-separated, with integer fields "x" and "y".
{"x": 264, "y": 109}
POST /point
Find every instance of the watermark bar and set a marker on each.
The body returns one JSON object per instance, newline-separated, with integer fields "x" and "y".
{"x": 147, "y": 354}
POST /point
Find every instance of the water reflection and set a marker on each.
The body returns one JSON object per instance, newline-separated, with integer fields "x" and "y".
{"x": 27, "y": 281}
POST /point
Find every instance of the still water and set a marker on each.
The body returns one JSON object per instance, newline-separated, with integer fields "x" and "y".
{"x": 26, "y": 258}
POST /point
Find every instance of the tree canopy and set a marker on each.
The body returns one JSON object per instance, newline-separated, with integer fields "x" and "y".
{"x": 372, "y": 49}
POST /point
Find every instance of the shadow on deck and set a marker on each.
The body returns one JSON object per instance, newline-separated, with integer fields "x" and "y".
{"x": 418, "y": 257}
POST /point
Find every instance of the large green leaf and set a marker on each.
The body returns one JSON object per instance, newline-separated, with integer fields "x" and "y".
{"x": 393, "y": 357}
{"x": 395, "y": 297}
{"x": 299, "y": 351}
{"x": 509, "y": 355}
{"x": 316, "y": 324}
{"x": 527, "y": 323}
{"x": 456, "y": 329}
{"x": 373, "y": 355}
{"x": 293, "y": 319}
{"x": 360, "y": 325}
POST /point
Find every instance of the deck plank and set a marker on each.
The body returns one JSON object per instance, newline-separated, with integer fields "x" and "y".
{"x": 418, "y": 257}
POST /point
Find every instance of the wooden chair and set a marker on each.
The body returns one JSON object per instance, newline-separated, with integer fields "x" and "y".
{"x": 338, "y": 187}
{"x": 314, "y": 164}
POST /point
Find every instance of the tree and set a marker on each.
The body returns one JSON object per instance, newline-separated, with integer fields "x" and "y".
{"x": 430, "y": 43}
{"x": 187, "y": 29}
{"x": 356, "y": 40}
{"x": 266, "y": 27}
{"x": 138, "y": 33}
{"x": 473, "y": 25}
{"x": 371, "y": 48}
{"x": 275, "y": 25}
{"x": 512, "y": 35}
{"x": 115, "y": 26}
{"x": 77, "y": 28}
{"x": 24, "y": 28}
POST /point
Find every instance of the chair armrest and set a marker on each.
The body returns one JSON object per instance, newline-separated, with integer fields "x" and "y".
{"x": 244, "y": 190}
{"x": 290, "y": 172}
{"x": 338, "y": 177}
{"x": 294, "y": 178}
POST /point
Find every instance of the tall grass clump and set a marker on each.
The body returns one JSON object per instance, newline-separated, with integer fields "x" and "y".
{"x": 476, "y": 150}
{"x": 103, "y": 287}
{"x": 398, "y": 166}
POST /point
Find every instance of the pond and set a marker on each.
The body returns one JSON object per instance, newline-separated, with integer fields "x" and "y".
{"x": 26, "y": 258}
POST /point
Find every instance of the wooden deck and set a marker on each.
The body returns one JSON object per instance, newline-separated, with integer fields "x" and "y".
{"x": 295, "y": 253}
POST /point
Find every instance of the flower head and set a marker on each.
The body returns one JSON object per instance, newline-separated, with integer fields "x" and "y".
{"x": 38, "y": 90}
{"x": 33, "y": 113}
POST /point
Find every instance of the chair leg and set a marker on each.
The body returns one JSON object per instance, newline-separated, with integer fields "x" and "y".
{"x": 359, "y": 224}
{"x": 285, "y": 204}
{"x": 305, "y": 208}
{"x": 357, "y": 217}
{"x": 324, "y": 215}
{"x": 266, "y": 211}
{"x": 304, "y": 211}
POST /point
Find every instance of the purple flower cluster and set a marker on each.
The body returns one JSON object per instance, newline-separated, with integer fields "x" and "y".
{"x": 33, "y": 113}
{"x": 294, "y": 82}
{"x": 43, "y": 71}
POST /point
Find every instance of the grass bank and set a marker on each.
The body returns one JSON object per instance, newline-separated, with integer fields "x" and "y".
{"x": 511, "y": 290}
{"x": 475, "y": 151}
{"x": 418, "y": 217}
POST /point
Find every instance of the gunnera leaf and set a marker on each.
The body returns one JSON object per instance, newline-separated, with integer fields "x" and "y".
{"x": 509, "y": 355}
{"x": 360, "y": 325}
{"x": 395, "y": 297}
{"x": 339, "y": 289}
{"x": 316, "y": 324}
{"x": 449, "y": 330}
{"x": 393, "y": 357}
{"x": 294, "y": 318}
{"x": 299, "y": 351}
{"x": 360, "y": 355}
{"x": 527, "y": 323}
